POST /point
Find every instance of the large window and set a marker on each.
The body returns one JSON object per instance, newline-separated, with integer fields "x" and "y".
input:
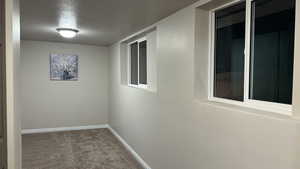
{"x": 138, "y": 63}
{"x": 253, "y": 53}
{"x": 229, "y": 53}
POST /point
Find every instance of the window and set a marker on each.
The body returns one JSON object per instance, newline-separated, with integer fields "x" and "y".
{"x": 138, "y": 63}
{"x": 229, "y": 52}
{"x": 143, "y": 62}
{"x": 272, "y": 50}
{"x": 253, "y": 54}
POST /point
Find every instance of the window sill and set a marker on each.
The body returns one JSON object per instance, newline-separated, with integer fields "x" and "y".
{"x": 142, "y": 87}
{"x": 268, "y": 107}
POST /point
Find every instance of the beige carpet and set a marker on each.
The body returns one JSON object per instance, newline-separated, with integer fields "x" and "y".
{"x": 85, "y": 149}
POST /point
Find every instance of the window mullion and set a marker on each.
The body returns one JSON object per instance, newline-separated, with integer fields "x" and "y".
{"x": 247, "y": 51}
{"x": 212, "y": 55}
{"x": 138, "y": 62}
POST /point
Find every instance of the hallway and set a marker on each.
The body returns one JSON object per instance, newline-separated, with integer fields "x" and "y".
{"x": 150, "y": 84}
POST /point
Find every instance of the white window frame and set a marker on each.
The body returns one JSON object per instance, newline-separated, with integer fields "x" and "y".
{"x": 284, "y": 109}
{"x": 142, "y": 86}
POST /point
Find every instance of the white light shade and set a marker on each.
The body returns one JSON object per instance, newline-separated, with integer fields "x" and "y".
{"x": 67, "y": 33}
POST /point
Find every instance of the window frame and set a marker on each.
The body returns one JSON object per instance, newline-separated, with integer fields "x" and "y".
{"x": 139, "y": 85}
{"x": 285, "y": 109}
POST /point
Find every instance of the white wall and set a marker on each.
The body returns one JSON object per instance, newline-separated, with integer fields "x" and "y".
{"x": 173, "y": 129}
{"x": 49, "y": 104}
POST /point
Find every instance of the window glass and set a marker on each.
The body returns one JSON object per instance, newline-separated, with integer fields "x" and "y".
{"x": 143, "y": 62}
{"x": 272, "y": 50}
{"x": 134, "y": 63}
{"x": 229, "y": 52}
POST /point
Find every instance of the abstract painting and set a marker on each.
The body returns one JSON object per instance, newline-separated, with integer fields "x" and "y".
{"x": 63, "y": 67}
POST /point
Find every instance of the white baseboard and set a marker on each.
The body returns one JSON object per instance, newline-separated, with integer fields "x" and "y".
{"x": 49, "y": 130}
{"x": 130, "y": 149}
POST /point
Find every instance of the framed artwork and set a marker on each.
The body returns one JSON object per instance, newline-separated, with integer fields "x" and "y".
{"x": 63, "y": 67}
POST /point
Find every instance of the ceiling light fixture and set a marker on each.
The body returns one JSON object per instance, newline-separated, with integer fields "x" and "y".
{"x": 67, "y": 32}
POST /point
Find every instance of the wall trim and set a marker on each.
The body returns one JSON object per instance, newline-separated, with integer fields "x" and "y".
{"x": 73, "y": 128}
{"x": 130, "y": 149}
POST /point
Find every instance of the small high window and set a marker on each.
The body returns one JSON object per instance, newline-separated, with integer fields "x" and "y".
{"x": 138, "y": 62}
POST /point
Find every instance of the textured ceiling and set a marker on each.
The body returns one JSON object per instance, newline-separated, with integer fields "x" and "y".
{"x": 101, "y": 22}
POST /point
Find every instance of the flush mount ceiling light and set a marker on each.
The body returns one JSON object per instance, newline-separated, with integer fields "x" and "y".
{"x": 67, "y": 32}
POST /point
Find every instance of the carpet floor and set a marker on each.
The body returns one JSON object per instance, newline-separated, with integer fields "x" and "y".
{"x": 84, "y": 149}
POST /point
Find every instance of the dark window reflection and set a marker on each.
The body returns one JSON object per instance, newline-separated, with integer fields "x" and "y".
{"x": 143, "y": 62}
{"x": 271, "y": 77}
{"x": 229, "y": 52}
{"x": 134, "y": 63}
